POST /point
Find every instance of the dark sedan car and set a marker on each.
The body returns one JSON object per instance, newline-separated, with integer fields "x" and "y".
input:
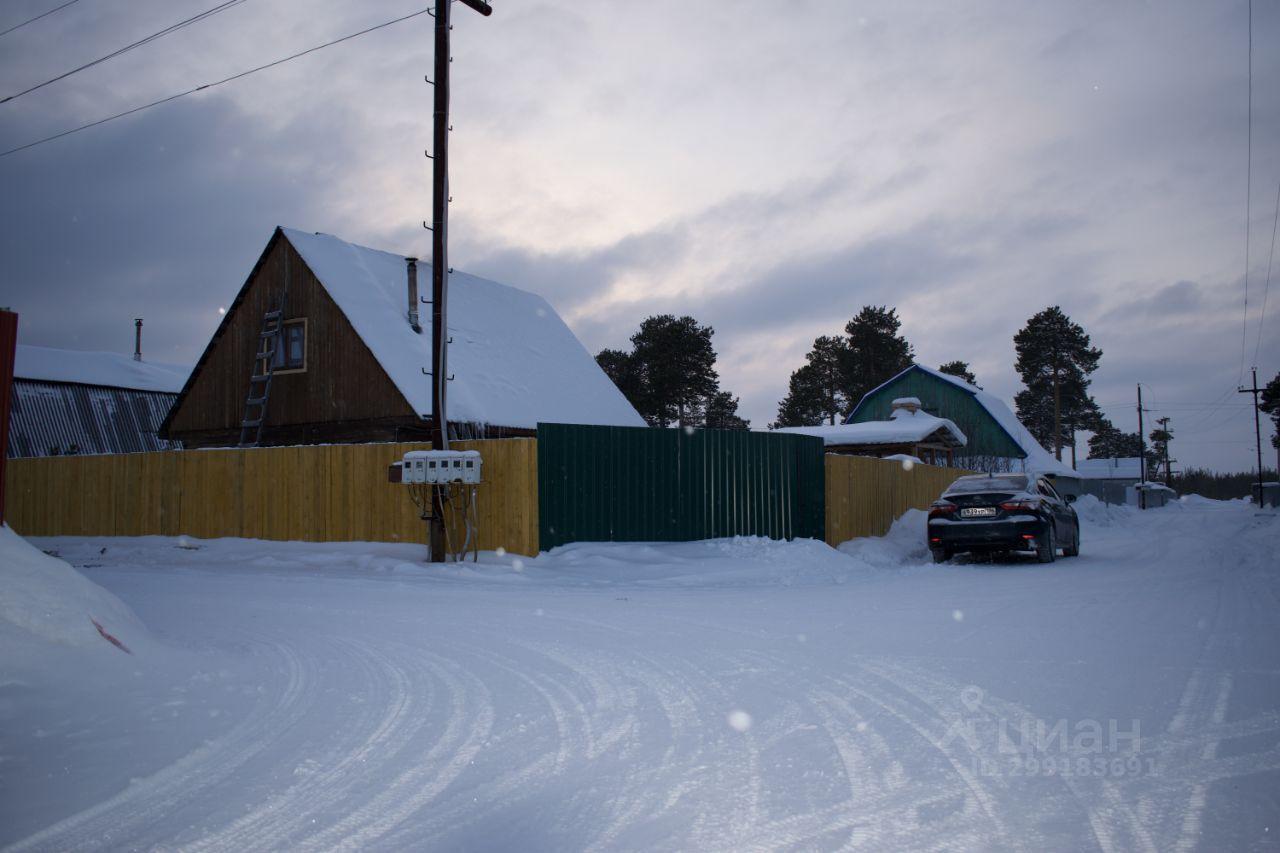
{"x": 1002, "y": 513}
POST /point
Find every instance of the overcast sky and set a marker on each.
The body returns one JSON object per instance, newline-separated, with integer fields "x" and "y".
{"x": 768, "y": 168}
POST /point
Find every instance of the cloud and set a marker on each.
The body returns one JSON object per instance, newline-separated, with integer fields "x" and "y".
{"x": 769, "y": 175}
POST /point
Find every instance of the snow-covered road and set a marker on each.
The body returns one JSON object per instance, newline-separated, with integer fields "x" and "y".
{"x": 728, "y": 695}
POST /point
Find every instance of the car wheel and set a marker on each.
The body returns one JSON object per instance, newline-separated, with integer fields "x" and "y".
{"x": 1049, "y": 552}
{"x": 940, "y": 555}
{"x": 1074, "y": 549}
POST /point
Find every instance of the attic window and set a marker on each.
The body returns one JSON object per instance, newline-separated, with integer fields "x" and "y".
{"x": 291, "y": 354}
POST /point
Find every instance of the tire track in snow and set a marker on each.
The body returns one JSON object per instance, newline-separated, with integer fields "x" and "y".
{"x": 114, "y": 821}
{"x": 678, "y": 700}
{"x": 1190, "y": 834}
{"x": 569, "y": 711}
{"x": 415, "y": 788}
{"x": 1106, "y": 822}
{"x": 889, "y": 814}
{"x": 388, "y": 722}
{"x": 925, "y": 724}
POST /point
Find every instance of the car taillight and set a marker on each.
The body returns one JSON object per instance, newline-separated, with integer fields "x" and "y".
{"x": 1015, "y": 506}
{"x": 941, "y": 508}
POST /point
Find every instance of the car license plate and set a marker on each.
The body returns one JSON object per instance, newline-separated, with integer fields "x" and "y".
{"x": 978, "y": 512}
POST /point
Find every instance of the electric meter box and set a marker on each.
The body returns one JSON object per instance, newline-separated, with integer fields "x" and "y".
{"x": 441, "y": 466}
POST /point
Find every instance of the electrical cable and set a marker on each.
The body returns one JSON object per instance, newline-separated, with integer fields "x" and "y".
{"x": 38, "y": 17}
{"x": 205, "y": 86}
{"x": 1248, "y": 200}
{"x": 208, "y": 13}
{"x": 1266, "y": 289}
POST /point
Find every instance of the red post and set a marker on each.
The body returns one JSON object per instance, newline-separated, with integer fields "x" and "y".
{"x": 8, "y": 348}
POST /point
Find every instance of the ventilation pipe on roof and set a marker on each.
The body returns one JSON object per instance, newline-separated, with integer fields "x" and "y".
{"x": 910, "y": 405}
{"x": 137, "y": 339}
{"x": 413, "y": 294}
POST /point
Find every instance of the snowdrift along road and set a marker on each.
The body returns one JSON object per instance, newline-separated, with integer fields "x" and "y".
{"x": 732, "y": 695}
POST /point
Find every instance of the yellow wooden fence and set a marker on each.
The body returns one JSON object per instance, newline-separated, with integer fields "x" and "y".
{"x": 316, "y": 493}
{"x": 866, "y": 495}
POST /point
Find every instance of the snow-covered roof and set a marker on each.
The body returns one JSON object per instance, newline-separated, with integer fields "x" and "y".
{"x": 1126, "y": 468}
{"x": 514, "y": 361}
{"x": 106, "y": 369}
{"x": 903, "y": 427}
{"x": 1037, "y": 459}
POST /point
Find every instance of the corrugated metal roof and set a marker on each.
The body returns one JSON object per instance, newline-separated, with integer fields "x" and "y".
{"x": 55, "y": 418}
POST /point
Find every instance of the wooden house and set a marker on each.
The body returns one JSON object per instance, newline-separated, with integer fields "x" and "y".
{"x": 68, "y": 402}
{"x": 908, "y": 432}
{"x": 350, "y": 359}
{"x": 997, "y": 440}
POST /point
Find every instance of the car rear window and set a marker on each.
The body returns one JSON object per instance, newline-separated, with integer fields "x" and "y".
{"x": 975, "y": 485}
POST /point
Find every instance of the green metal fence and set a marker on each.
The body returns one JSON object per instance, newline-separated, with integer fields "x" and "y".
{"x": 633, "y": 484}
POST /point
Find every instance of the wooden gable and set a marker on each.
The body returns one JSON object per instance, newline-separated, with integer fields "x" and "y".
{"x": 342, "y": 394}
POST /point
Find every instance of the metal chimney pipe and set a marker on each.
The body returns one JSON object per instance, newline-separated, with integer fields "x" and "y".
{"x": 137, "y": 339}
{"x": 413, "y": 294}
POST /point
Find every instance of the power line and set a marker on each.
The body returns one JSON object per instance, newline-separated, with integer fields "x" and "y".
{"x": 1267, "y": 287}
{"x": 208, "y": 13}
{"x": 38, "y": 17}
{"x": 1248, "y": 200}
{"x": 205, "y": 86}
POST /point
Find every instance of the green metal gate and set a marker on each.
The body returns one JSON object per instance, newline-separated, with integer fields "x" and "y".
{"x": 634, "y": 484}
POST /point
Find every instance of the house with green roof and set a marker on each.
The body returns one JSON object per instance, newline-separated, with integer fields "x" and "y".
{"x": 997, "y": 440}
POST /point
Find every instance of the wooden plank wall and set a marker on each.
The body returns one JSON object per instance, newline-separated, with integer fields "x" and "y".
{"x": 320, "y": 493}
{"x": 866, "y": 495}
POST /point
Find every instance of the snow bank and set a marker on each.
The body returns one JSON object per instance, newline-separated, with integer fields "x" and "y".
{"x": 1097, "y": 513}
{"x": 739, "y": 561}
{"x": 44, "y": 601}
{"x": 903, "y": 544}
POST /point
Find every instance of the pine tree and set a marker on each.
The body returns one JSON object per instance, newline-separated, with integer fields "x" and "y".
{"x": 803, "y": 405}
{"x": 1158, "y": 454}
{"x": 960, "y": 370}
{"x": 1270, "y": 404}
{"x": 679, "y": 368}
{"x": 670, "y": 376}
{"x": 722, "y": 412}
{"x": 874, "y": 351}
{"x": 1108, "y": 442}
{"x": 815, "y": 393}
{"x": 626, "y": 373}
{"x": 1054, "y": 361}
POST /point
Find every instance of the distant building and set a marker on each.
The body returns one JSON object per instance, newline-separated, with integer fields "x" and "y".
{"x": 1110, "y": 480}
{"x": 349, "y": 364}
{"x": 69, "y": 402}
{"x": 996, "y": 439}
{"x": 908, "y": 432}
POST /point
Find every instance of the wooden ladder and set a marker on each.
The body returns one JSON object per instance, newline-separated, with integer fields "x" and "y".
{"x": 255, "y": 403}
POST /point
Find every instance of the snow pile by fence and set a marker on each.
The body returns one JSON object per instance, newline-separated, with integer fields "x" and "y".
{"x": 44, "y": 601}
{"x": 903, "y": 544}
{"x": 1094, "y": 512}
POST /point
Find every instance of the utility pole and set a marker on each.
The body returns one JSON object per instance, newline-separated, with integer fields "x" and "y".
{"x": 1164, "y": 428}
{"x": 1142, "y": 453}
{"x": 440, "y": 257}
{"x": 1257, "y": 428}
